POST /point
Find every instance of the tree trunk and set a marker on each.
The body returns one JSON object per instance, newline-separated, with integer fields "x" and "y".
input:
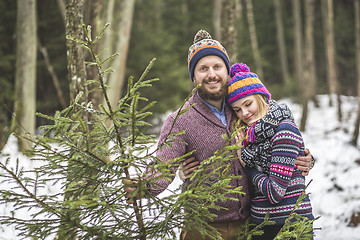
{"x": 309, "y": 66}
{"x": 357, "y": 52}
{"x": 229, "y": 29}
{"x": 75, "y": 53}
{"x": 298, "y": 39}
{"x": 24, "y": 121}
{"x": 61, "y": 6}
{"x": 94, "y": 16}
{"x": 217, "y": 10}
{"x": 253, "y": 38}
{"x": 54, "y": 77}
{"x": 77, "y": 77}
{"x": 122, "y": 30}
{"x": 328, "y": 18}
{"x": 282, "y": 44}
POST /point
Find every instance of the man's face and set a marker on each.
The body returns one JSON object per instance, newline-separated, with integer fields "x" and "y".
{"x": 212, "y": 74}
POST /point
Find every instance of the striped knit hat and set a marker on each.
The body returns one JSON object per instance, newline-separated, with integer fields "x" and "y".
{"x": 204, "y": 46}
{"x": 244, "y": 83}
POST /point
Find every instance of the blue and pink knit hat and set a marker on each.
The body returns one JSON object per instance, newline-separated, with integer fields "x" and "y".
{"x": 204, "y": 46}
{"x": 244, "y": 83}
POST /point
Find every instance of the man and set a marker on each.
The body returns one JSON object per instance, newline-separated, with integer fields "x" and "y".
{"x": 205, "y": 123}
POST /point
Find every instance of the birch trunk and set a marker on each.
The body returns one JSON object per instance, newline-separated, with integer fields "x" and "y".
{"x": 25, "y": 75}
{"x": 121, "y": 39}
{"x": 217, "y": 19}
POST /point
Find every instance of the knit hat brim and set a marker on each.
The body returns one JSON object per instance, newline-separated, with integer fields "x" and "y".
{"x": 208, "y": 51}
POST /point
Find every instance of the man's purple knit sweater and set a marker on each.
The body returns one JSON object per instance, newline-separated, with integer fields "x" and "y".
{"x": 203, "y": 131}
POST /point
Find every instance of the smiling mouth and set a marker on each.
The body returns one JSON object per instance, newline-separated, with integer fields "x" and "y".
{"x": 212, "y": 82}
{"x": 248, "y": 118}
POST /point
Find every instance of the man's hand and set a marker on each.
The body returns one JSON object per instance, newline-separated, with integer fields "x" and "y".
{"x": 187, "y": 167}
{"x": 304, "y": 163}
{"x": 239, "y": 138}
{"x": 130, "y": 187}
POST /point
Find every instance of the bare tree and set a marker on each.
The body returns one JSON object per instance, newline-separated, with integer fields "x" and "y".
{"x": 120, "y": 44}
{"x": 25, "y": 76}
{"x": 75, "y": 53}
{"x": 298, "y": 36}
{"x": 328, "y": 19}
{"x": 115, "y": 40}
{"x": 281, "y": 44}
{"x": 357, "y": 52}
{"x": 61, "y": 6}
{"x": 309, "y": 65}
{"x": 228, "y": 28}
{"x": 253, "y": 37}
{"x": 53, "y": 75}
{"x": 217, "y": 9}
{"x": 77, "y": 77}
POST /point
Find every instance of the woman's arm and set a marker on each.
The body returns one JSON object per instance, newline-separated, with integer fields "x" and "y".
{"x": 286, "y": 145}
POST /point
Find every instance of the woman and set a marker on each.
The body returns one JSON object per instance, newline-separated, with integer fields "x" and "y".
{"x": 271, "y": 142}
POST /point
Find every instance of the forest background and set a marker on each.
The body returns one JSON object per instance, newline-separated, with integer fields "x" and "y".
{"x": 300, "y": 49}
{"x": 164, "y": 29}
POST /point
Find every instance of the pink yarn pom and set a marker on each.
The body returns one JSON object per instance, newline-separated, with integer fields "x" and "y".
{"x": 237, "y": 68}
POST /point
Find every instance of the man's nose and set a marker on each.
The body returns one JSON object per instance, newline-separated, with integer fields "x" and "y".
{"x": 211, "y": 73}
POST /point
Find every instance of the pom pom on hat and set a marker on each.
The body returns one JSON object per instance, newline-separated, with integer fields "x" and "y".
{"x": 201, "y": 35}
{"x": 244, "y": 83}
{"x": 204, "y": 46}
{"x": 237, "y": 68}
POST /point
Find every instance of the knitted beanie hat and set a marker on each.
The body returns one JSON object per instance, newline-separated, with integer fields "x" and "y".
{"x": 244, "y": 83}
{"x": 204, "y": 46}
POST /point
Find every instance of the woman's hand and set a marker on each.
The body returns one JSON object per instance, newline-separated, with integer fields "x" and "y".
{"x": 187, "y": 167}
{"x": 240, "y": 135}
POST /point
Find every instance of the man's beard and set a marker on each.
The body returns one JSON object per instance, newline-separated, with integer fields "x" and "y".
{"x": 216, "y": 96}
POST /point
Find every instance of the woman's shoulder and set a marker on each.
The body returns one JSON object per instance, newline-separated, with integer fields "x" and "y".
{"x": 288, "y": 125}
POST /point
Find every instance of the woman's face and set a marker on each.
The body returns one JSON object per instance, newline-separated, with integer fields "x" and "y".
{"x": 246, "y": 109}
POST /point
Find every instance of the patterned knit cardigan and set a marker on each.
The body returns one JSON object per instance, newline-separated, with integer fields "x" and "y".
{"x": 274, "y": 143}
{"x": 203, "y": 133}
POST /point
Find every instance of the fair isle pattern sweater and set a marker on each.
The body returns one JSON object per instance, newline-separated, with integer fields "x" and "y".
{"x": 277, "y": 191}
{"x": 259, "y": 134}
{"x": 203, "y": 131}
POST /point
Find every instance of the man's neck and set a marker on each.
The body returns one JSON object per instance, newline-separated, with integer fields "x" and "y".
{"x": 218, "y": 104}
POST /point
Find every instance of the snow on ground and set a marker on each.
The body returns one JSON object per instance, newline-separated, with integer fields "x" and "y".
{"x": 335, "y": 186}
